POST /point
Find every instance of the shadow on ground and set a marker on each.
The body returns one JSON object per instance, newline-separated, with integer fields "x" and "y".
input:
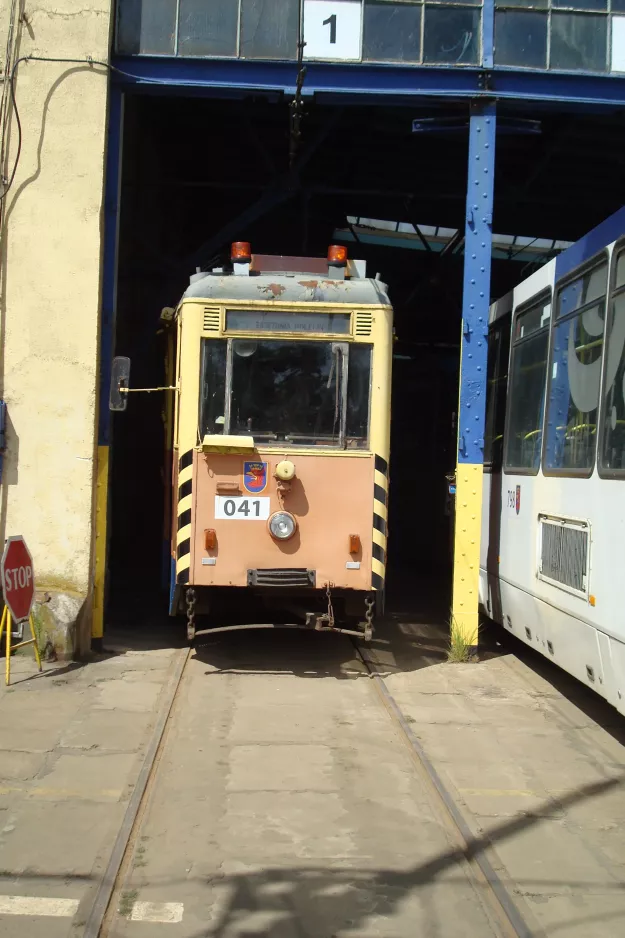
{"x": 577, "y": 693}
{"x": 322, "y": 901}
{"x": 413, "y": 634}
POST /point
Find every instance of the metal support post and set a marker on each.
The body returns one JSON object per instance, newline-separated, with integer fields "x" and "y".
{"x": 107, "y": 338}
{"x": 6, "y": 623}
{"x": 474, "y": 341}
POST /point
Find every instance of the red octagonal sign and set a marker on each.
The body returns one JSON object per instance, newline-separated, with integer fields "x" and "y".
{"x": 18, "y": 578}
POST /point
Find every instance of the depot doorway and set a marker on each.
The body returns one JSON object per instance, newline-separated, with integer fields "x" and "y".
{"x": 228, "y": 170}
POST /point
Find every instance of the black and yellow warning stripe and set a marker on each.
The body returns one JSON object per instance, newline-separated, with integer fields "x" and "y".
{"x": 185, "y": 503}
{"x": 380, "y": 521}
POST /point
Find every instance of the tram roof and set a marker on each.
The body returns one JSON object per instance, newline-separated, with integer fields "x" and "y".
{"x": 289, "y": 288}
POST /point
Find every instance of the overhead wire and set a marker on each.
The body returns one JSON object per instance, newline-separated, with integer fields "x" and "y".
{"x": 4, "y": 100}
{"x": 8, "y": 56}
{"x": 86, "y": 60}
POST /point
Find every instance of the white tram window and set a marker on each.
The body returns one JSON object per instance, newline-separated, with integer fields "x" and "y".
{"x": 213, "y": 387}
{"x": 528, "y": 371}
{"x": 286, "y": 391}
{"x": 575, "y": 374}
{"x": 290, "y": 392}
{"x": 496, "y": 386}
{"x": 612, "y": 456}
{"x": 358, "y": 394}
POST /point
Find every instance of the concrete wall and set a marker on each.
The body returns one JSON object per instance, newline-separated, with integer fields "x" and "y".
{"x": 51, "y": 253}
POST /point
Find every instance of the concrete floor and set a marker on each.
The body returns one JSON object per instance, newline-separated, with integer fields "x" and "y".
{"x": 287, "y": 803}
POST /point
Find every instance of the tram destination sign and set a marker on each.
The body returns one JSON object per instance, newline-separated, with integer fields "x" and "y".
{"x": 277, "y": 321}
{"x": 18, "y": 578}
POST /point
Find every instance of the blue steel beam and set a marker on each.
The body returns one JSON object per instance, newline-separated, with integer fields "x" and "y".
{"x": 379, "y": 83}
{"x": 476, "y": 287}
{"x": 472, "y": 407}
{"x": 109, "y": 273}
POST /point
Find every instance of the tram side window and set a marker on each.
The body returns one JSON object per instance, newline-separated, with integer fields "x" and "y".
{"x": 528, "y": 370}
{"x": 497, "y": 383}
{"x": 612, "y": 457}
{"x": 213, "y": 389}
{"x": 358, "y": 385}
{"x": 575, "y": 372}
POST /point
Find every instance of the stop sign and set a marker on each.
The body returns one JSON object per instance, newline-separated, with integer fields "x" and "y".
{"x": 18, "y": 579}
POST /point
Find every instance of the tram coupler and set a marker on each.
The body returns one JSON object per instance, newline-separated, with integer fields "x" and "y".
{"x": 325, "y": 623}
{"x": 320, "y": 623}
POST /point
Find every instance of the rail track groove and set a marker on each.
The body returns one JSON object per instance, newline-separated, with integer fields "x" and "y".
{"x": 499, "y": 905}
{"x": 509, "y": 920}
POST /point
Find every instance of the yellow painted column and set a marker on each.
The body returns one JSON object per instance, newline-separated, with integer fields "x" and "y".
{"x": 467, "y": 552}
{"x": 99, "y": 580}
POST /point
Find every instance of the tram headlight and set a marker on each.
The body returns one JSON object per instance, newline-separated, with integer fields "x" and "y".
{"x": 282, "y": 525}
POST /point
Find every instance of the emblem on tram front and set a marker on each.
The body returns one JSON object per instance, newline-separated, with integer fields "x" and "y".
{"x": 254, "y": 476}
{"x": 518, "y": 499}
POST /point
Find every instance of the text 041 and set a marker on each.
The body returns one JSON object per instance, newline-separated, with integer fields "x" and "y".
{"x": 241, "y": 508}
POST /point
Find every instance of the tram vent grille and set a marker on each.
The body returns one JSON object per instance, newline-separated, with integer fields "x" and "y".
{"x": 564, "y": 553}
{"x": 211, "y": 319}
{"x": 364, "y": 322}
{"x": 282, "y": 576}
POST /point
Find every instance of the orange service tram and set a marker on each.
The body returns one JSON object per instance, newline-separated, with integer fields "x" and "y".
{"x": 279, "y": 425}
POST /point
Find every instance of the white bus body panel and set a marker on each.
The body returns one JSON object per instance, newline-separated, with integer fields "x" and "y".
{"x": 583, "y": 634}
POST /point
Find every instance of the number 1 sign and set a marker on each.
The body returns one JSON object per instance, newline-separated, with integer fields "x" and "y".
{"x": 332, "y": 29}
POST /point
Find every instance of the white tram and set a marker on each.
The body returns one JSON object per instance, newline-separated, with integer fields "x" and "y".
{"x": 552, "y": 563}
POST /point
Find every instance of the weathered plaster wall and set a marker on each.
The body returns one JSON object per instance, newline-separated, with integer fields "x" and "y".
{"x": 51, "y": 253}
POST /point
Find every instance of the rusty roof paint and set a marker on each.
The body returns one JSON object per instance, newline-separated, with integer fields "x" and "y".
{"x": 277, "y": 289}
{"x": 287, "y": 289}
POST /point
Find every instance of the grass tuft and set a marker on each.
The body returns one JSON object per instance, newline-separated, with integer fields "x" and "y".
{"x": 459, "y": 650}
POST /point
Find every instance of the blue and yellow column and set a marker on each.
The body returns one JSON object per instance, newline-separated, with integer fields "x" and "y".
{"x": 474, "y": 341}
{"x": 107, "y": 338}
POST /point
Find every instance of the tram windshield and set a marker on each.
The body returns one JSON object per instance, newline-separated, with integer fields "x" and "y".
{"x": 288, "y": 392}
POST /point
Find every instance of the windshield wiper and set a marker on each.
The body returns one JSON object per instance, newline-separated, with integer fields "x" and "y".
{"x": 259, "y": 434}
{"x": 315, "y": 437}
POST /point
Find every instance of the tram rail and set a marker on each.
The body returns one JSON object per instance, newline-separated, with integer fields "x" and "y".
{"x": 509, "y": 920}
{"x": 103, "y": 908}
{"x": 501, "y": 910}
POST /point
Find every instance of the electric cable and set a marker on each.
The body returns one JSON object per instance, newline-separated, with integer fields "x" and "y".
{"x": 5, "y": 100}
{"x": 87, "y": 60}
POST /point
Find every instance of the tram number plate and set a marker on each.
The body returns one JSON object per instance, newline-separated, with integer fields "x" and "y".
{"x": 241, "y": 508}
